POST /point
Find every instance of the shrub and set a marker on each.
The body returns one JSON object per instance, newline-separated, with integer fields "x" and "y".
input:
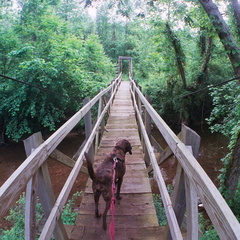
{"x": 17, "y": 213}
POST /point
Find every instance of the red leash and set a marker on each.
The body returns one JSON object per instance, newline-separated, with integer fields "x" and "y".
{"x": 112, "y": 225}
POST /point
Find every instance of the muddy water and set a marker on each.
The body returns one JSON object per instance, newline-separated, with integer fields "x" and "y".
{"x": 213, "y": 147}
{"x": 13, "y": 154}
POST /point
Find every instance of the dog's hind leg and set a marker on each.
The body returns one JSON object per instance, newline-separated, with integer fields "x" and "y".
{"x": 108, "y": 203}
{"x": 96, "y": 199}
{"x": 119, "y": 184}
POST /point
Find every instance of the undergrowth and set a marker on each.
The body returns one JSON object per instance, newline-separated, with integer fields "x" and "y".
{"x": 17, "y": 213}
{"x": 209, "y": 233}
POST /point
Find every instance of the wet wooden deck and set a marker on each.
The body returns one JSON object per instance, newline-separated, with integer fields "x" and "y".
{"x": 135, "y": 216}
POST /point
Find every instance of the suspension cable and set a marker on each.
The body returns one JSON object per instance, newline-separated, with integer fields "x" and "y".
{"x": 203, "y": 89}
{"x": 38, "y": 87}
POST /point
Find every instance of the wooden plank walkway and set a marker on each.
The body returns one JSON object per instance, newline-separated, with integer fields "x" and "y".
{"x": 135, "y": 216}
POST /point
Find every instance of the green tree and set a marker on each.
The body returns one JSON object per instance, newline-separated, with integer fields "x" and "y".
{"x": 229, "y": 109}
{"x": 46, "y": 54}
{"x": 224, "y": 33}
{"x": 225, "y": 118}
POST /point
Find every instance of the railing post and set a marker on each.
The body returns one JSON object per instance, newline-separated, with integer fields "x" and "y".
{"x": 100, "y": 107}
{"x": 30, "y": 145}
{"x": 111, "y": 93}
{"x": 147, "y": 123}
{"x": 130, "y": 66}
{"x": 139, "y": 106}
{"x": 184, "y": 195}
{"x": 88, "y": 127}
{"x": 192, "y": 140}
{"x": 39, "y": 185}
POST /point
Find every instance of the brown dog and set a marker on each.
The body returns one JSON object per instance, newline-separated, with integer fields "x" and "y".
{"x": 102, "y": 178}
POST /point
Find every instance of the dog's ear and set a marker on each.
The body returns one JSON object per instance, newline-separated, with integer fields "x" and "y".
{"x": 129, "y": 147}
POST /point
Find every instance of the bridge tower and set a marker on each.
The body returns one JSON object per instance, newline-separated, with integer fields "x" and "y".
{"x": 120, "y": 59}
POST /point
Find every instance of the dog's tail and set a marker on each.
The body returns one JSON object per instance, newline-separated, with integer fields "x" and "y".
{"x": 89, "y": 166}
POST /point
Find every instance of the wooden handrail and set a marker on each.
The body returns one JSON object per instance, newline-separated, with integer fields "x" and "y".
{"x": 171, "y": 217}
{"x": 16, "y": 183}
{"x": 221, "y": 215}
{"x": 219, "y": 212}
{"x": 62, "y": 198}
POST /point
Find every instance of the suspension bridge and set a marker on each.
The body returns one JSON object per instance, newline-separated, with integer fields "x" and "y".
{"x": 123, "y": 113}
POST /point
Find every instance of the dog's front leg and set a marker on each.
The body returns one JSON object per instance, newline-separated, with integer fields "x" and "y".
{"x": 108, "y": 203}
{"x": 96, "y": 199}
{"x": 119, "y": 184}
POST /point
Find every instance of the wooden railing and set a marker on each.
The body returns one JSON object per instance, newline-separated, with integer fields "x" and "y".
{"x": 191, "y": 181}
{"x": 33, "y": 172}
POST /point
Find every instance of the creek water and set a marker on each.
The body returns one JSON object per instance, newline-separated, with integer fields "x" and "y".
{"x": 213, "y": 148}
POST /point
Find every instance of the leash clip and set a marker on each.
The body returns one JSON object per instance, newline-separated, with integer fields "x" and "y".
{"x": 115, "y": 159}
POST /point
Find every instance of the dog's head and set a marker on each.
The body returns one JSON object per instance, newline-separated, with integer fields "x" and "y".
{"x": 125, "y": 145}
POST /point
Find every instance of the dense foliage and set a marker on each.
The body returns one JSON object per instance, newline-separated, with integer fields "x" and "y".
{"x": 57, "y": 45}
{"x": 226, "y": 116}
{"x": 16, "y": 217}
{"x": 178, "y": 47}
{"x": 43, "y": 49}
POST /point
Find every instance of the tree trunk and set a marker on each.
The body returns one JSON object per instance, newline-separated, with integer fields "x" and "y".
{"x": 179, "y": 55}
{"x": 236, "y": 11}
{"x": 233, "y": 51}
{"x": 206, "y": 45}
{"x": 233, "y": 172}
{"x": 207, "y": 55}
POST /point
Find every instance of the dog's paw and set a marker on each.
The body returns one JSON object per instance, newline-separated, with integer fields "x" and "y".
{"x": 118, "y": 197}
{"x": 104, "y": 227}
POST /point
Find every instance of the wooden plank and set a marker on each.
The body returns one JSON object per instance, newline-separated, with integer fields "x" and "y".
{"x": 178, "y": 200}
{"x": 192, "y": 210}
{"x": 147, "y": 123}
{"x": 221, "y": 215}
{"x": 30, "y": 208}
{"x": 30, "y": 144}
{"x": 124, "y": 133}
{"x": 64, "y": 159}
{"x": 130, "y": 204}
{"x": 135, "y": 215}
{"x": 121, "y": 221}
{"x": 62, "y": 198}
{"x": 181, "y": 194}
{"x": 76, "y": 155}
{"x": 47, "y": 198}
{"x": 191, "y": 194}
{"x": 88, "y": 126}
{"x": 110, "y": 141}
{"x": 39, "y": 185}
{"x": 155, "y": 144}
{"x": 100, "y": 107}
{"x": 113, "y": 125}
{"x": 172, "y": 221}
{"x": 190, "y": 138}
{"x": 164, "y": 156}
{"x": 80, "y": 232}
